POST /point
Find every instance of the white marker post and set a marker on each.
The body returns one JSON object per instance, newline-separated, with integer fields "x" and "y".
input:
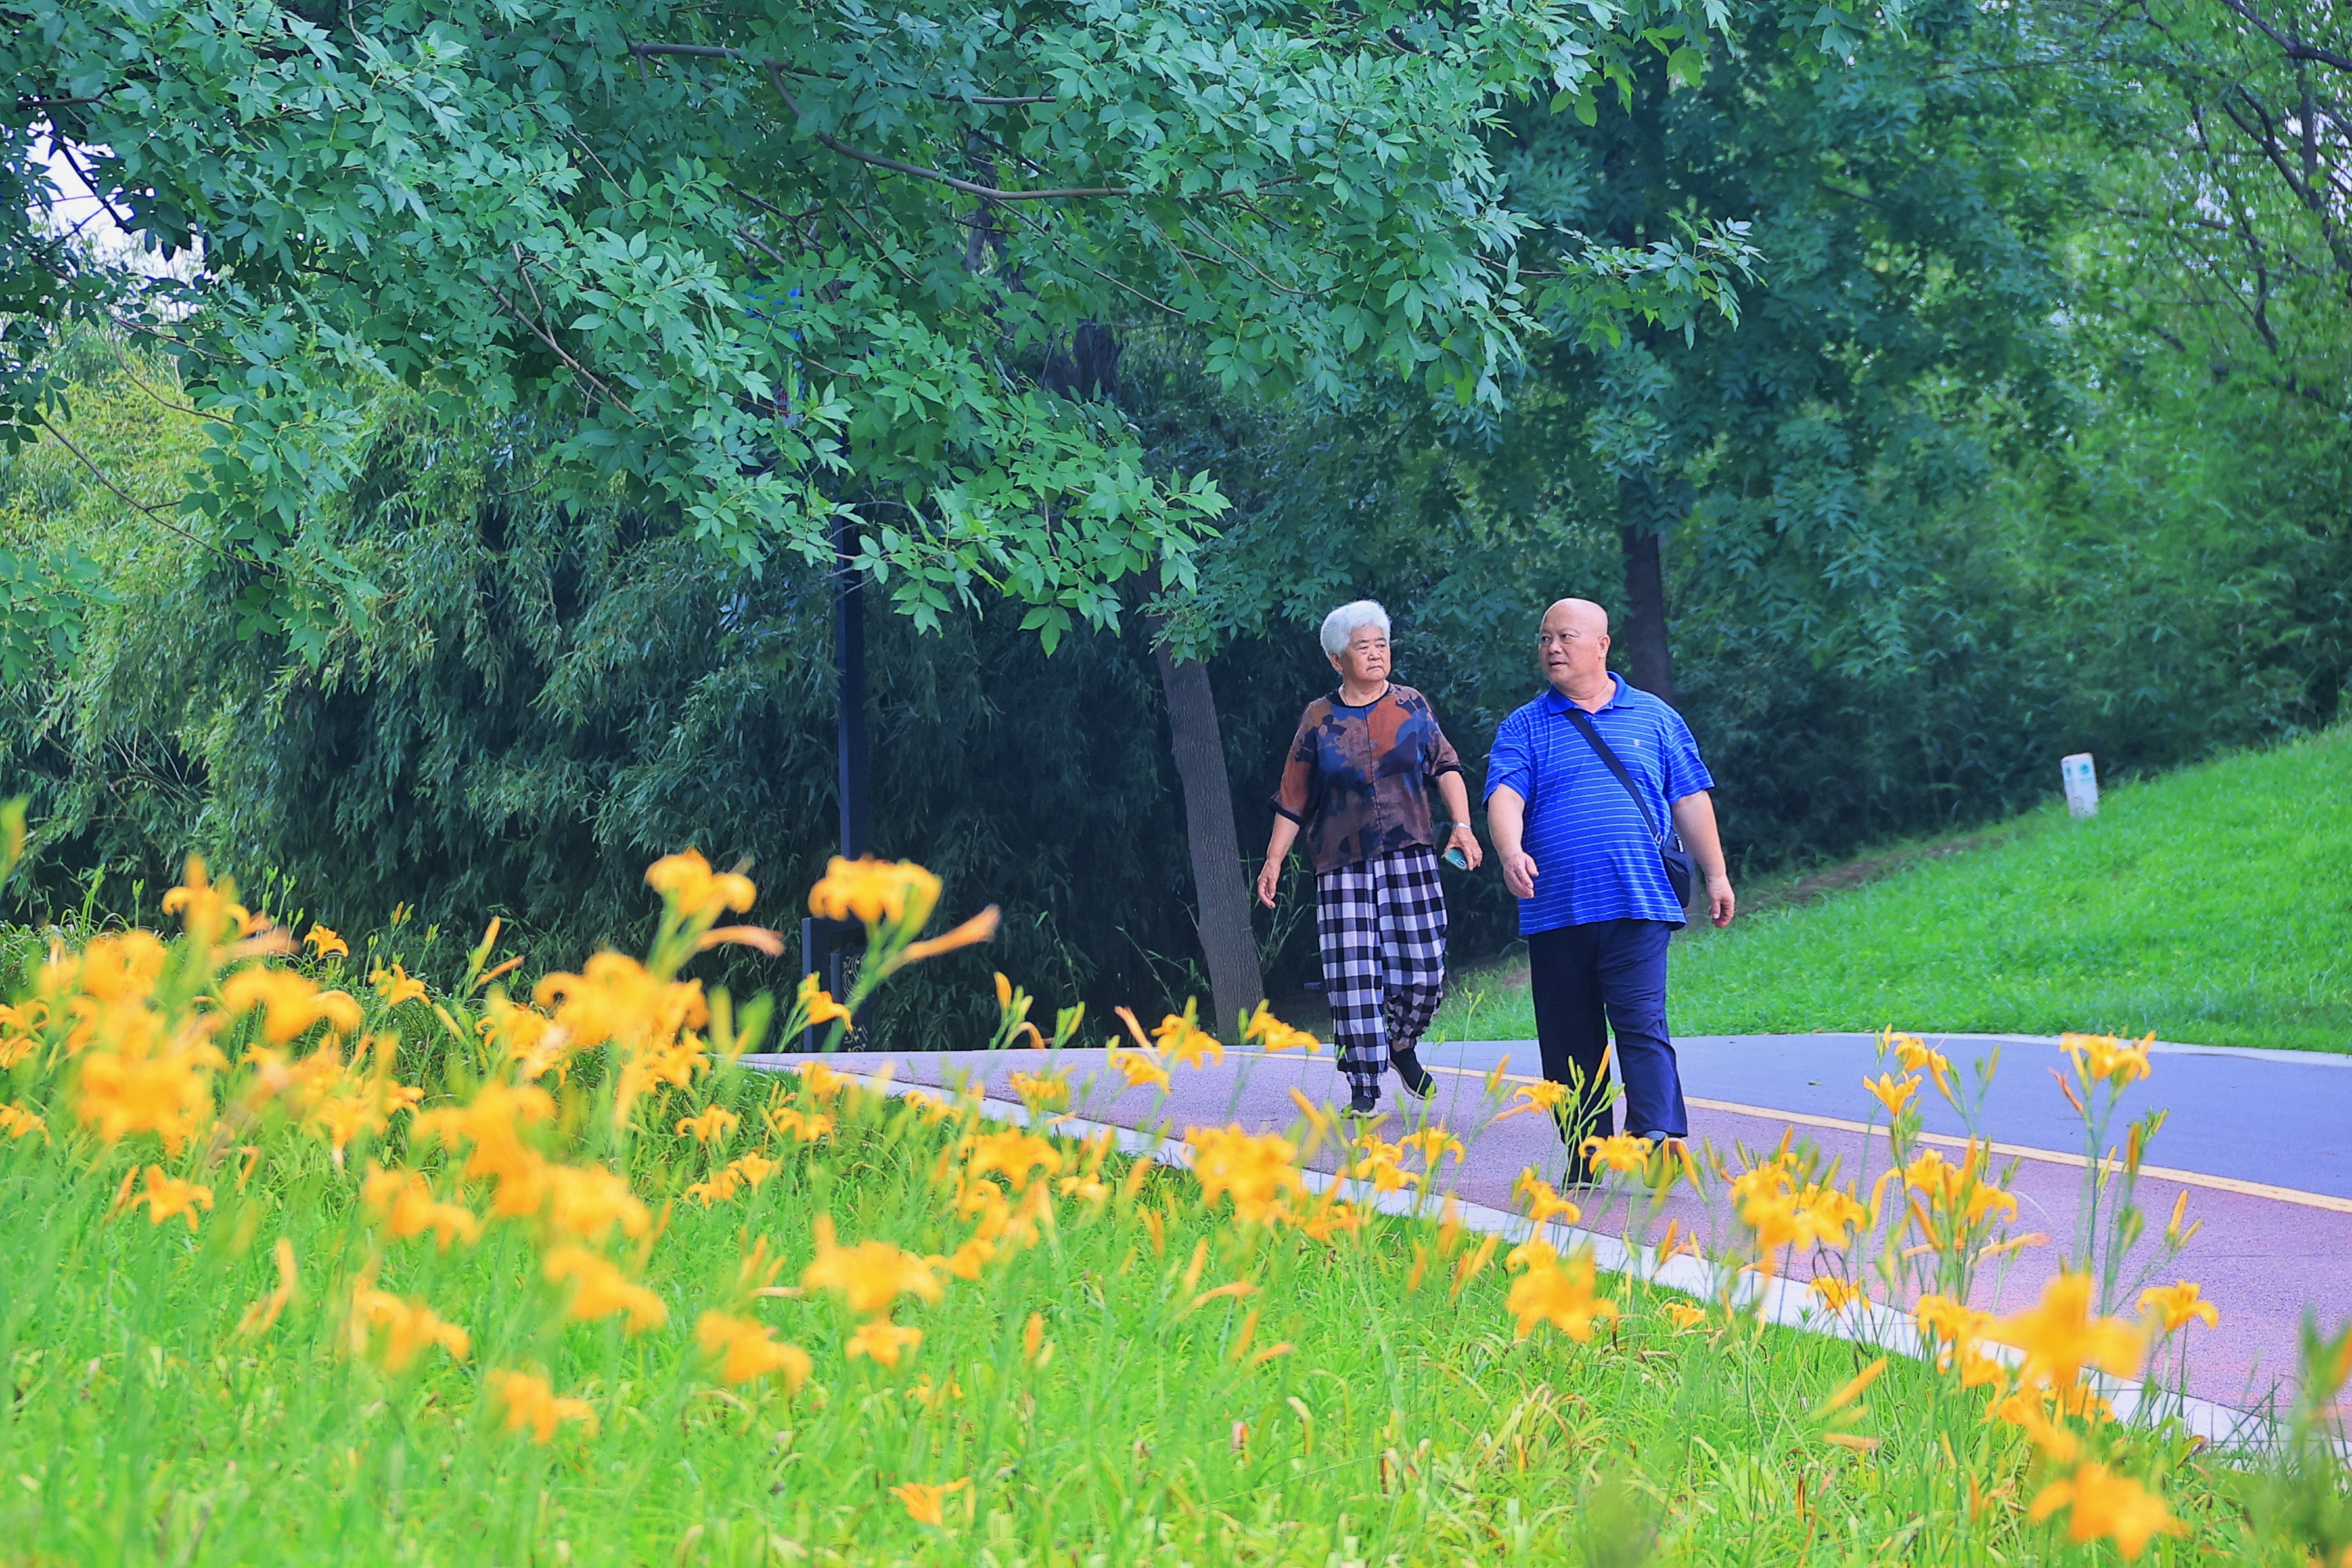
{"x": 2082, "y": 781}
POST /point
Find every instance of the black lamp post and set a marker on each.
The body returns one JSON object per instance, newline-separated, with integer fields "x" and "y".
{"x": 822, "y": 951}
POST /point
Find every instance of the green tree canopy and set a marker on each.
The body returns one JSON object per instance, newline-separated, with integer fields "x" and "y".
{"x": 762, "y": 263}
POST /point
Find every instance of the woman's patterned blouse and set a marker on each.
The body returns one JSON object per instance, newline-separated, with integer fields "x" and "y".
{"x": 1358, "y": 779}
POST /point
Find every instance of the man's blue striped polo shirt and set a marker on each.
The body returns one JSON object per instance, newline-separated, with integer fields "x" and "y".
{"x": 1594, "y": 858}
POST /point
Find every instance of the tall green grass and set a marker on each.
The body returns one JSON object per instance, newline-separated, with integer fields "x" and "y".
{"x": 1405, "y": 1424}
{"x": 1142, "y": 1378}
{"x": 2210, "y": 906}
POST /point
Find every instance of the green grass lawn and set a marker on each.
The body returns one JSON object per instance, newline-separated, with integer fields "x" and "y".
{"x": 2210, "y": 906}
{"x": 1092, "y": 1398}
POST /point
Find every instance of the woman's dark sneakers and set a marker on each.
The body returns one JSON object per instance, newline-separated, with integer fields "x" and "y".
{"x": 1419, "y": 1081}
{"x": 1364, "y": 1103}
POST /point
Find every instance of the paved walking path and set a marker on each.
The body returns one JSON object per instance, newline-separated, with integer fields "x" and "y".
{"x": 2262, "y": 1141}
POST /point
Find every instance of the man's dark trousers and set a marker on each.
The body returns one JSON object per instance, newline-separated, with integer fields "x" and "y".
{"x": 1587, "y": 980}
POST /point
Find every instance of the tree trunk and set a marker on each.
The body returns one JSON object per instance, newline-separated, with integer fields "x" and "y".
{"x": 1644, "y": 634}
{"x": 1220, "y": 892}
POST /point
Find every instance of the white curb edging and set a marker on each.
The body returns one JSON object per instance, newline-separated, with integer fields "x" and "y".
{"x": 1774, "y": 1300}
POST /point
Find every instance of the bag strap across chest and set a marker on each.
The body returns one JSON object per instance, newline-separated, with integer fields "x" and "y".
{"x": 1615, "y": 764}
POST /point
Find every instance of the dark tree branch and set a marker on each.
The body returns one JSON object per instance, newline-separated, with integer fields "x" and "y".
{"x": 59, "y": 145}
{"x": 153, "y": 514}
{"x": 544, "y": 336}
{"x": 716, "y": 52}
{"x": 1054, "y": 241}
{"x": 970, "y": 188}
{"x": 2295, "y": 49}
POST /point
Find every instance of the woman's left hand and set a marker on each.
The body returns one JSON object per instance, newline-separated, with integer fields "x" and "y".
{"x": 1462, "y": 839}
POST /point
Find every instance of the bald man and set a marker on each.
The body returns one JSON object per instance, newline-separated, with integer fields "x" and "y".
{"x": 1581, "y": 851}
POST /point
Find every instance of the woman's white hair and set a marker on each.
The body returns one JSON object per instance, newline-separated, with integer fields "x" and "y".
{"x": 1341, "y": 623}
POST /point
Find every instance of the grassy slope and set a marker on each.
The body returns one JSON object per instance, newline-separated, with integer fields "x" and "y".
{"x": 2209, "y": 906}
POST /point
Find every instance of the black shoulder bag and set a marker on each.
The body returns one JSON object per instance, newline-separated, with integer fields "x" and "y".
{"x": 1670, "y": 844}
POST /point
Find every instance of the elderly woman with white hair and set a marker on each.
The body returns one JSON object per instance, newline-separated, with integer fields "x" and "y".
{"x": 1357, "y": 784}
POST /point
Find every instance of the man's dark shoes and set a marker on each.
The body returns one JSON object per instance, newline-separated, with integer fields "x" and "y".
{"x": 1419, "y": 1081}
{"x": 1364, "y": 1103}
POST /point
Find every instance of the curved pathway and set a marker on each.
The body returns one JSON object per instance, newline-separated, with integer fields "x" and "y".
{"x": 2261, "y": 1140}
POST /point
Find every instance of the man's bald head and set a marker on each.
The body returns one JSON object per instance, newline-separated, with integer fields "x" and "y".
{"x": 1581, "y": 612}
{"x": 1573, "y": 649}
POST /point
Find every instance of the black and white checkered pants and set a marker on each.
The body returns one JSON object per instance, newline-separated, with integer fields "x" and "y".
{"x": 1383, "y": 925}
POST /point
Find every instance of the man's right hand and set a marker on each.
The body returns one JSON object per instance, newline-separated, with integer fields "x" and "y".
{"x": 1518, "y": 872}
{"x": 1269, "y": 878}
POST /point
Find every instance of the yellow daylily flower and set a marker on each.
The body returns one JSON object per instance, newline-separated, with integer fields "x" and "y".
{"x": 2102, "y": 1505}
{"x": 2178, "y": 1306}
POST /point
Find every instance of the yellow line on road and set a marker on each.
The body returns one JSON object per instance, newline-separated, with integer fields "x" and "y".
{"x": 2017, "y": 1151}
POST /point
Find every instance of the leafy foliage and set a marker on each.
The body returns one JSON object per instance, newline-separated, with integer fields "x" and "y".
{"x": 757, "y": 266}
{"x": 527, "y": 369}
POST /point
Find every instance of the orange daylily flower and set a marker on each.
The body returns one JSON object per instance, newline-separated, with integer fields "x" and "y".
{"x": 2060, "y": 1336}
{"x": 870, "y": 1276}
{"x": 288, "y": 1003}
{"x": 882, "y": 1342}
{"x": 923, "y": 1502}
{"x": 873, "y": 892}
{"x": 1836, "y": 1294}
{"x": 699, "y": 893}
{"x": 1271, "y": 1034}
{"x": 262, "y": 1316}
{"x": 395, "y": 986}
{"x": 808, "y": 1126}
{"x": 209, "y": 909}
{"x": 1181, "y": 1039}
{"x": 1259, "y": 1170}
{"x": 1620, "y": 1151}
{"x": 167, "y": 1196}
{"x": 1041, "y": 1091}
{"x": 2178, "y": 1306}
{"x": 403, "y": 1201}
{"x": 2104, "y": 1057}
{"x": 712, "y": 1125}
{"x": 530, "y": 1403}
{"x": 1543, "y": 1094}
{"x": 818, "y": 1003}
{"x": 1141, "y": 1069}
{"x": 1433, "y": 1144}
{"x": 1562, "y": 1296}
{"x": 746, "y": 1349}
{"x": 145, "y": 1085}
{"x": 1684, "y": 1316}
{"x": 1915, "y": 1054}
{"x": 1015, "y": 1152}
{"x": 1897, "y": 1096}
{"x": 2102, "y": 1505}
{"x": 410, "y": 1327}
{"x": 601, "y": 1290}
{"x": 1544, "y": 1204}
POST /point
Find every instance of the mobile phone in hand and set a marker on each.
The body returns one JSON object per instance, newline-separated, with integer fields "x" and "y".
{"x": 1458, "y": 860}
